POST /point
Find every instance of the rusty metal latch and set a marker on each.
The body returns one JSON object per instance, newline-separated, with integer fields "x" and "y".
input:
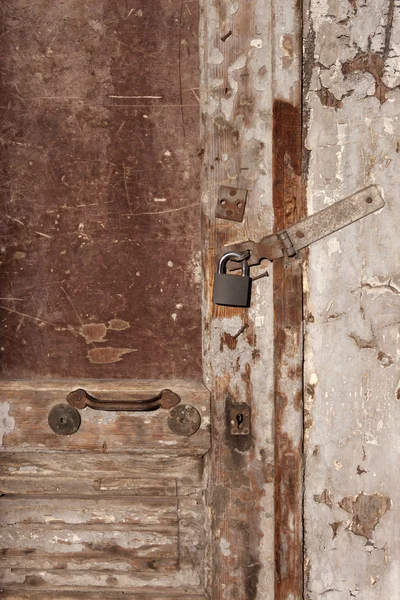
{"x": 311, "y": 229}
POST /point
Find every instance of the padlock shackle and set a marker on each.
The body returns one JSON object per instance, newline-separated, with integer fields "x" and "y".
{"x": 243, "y": 256}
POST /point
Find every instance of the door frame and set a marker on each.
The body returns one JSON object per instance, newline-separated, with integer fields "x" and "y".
{"x": 251, "y": 89}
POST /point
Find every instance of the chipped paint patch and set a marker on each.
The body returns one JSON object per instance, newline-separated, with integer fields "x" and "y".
{"x": 7, "y": 423}
{"x": 256, "y": 43}
{"x": 94, "y": 332}
{"x": 334, "y": 246}
{"x": 108, "y": 355}
{"x": 324, "y": 498}
{"x": 366, "y": 510}
{"x": 118, "y": 325}
{"x": 103, "y": 417}
{"x": 225, "y": 547}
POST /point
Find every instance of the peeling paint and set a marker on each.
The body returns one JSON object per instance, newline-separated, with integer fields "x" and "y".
{"x": 7, "y": 422}
{"x": 366, "y": 510}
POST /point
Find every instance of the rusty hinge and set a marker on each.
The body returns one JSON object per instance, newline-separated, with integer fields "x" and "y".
{"x": 311, "y": 229}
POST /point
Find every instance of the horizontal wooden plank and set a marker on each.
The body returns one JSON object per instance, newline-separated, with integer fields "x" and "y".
{"x": 140, "y": 566}
{"x": 29, "y": 404}
{"x": 87, "y": 486}
{"x": 185, "y": 468}
{"x": 147, "y": 513}
{"x": 177, "y": 593}
{"x": 124, "y": 580}
{"x": 21, "y": 540}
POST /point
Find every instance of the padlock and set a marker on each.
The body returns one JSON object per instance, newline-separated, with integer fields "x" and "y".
{"x": 229, "y": 289}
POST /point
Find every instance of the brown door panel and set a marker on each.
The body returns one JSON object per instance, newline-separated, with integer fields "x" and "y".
{"x": 100, "y": 280}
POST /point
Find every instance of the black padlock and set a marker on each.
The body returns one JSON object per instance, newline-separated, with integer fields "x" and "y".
{"x": 230, "y": 289}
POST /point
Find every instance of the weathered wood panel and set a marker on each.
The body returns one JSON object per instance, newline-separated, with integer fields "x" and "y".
{"x": 289, "y": 207}
{"x": 27, "y": 404}
{"x": 148, "y": 594}
{"x": 103, "y": 532}
{"x": 236, "y": 103}
{"x": 187, "y": 468}
{"x": 102, "y": 487}
{"x": 75, "y": 520}
{"x": 142, "y": 513}
{"x": 352, "y": 499}
{"x": 100, "y": 233}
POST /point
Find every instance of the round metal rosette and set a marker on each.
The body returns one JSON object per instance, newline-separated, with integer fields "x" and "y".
{"x": 64, "y": 419}
{"x": 184, "y": 420}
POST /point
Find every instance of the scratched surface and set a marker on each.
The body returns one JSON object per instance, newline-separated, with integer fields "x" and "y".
{"x": 100, "y": 228}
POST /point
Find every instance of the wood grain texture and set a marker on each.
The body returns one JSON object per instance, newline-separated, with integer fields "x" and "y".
{"x": 236, "y": 111}
{"x": 101, "y": 532}
{"x": 352, "y": 502}
{"x": 100, "y": 230}
{"x": 148, "y": 594}
{"x": 30, "y": 403}
{"x": 289, "y": 207}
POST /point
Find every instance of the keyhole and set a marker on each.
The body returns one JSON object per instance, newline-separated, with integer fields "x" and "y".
{"x": 62, "y": 420}
{"x": 239, "y": 419}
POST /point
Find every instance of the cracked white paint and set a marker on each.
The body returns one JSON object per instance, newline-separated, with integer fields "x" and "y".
{"x": 353, "y": 303}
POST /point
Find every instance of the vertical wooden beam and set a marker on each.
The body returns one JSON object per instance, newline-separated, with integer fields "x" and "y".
{"x": 289, "y": 206}
{"x": 238, "y": 344}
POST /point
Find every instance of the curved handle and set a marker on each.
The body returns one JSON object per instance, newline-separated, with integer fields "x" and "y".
{"x": 165, "y": 399}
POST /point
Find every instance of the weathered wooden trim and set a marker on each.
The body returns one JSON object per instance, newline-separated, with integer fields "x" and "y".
{"x": 236, "y": 110}
{"x": 289, "y": 207}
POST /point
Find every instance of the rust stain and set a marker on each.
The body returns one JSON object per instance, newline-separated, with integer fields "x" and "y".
{"x": 366, "y": 510}
{"x": 289, "y": 207}
{"x": 324, "y": 498}
{"x": 229, "y": 341}
{"x": 108, "y": 354}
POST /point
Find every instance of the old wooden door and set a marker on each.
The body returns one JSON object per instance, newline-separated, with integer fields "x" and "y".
{"x": 109, "y": 189}
{"x": 101, "y": 290}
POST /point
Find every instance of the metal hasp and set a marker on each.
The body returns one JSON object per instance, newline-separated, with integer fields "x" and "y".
{"x": 165, "y": 399}
{"x": 311, "y": 229}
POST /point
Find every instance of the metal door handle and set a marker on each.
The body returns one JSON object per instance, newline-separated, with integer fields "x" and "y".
{"x": 165, "y": 399}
